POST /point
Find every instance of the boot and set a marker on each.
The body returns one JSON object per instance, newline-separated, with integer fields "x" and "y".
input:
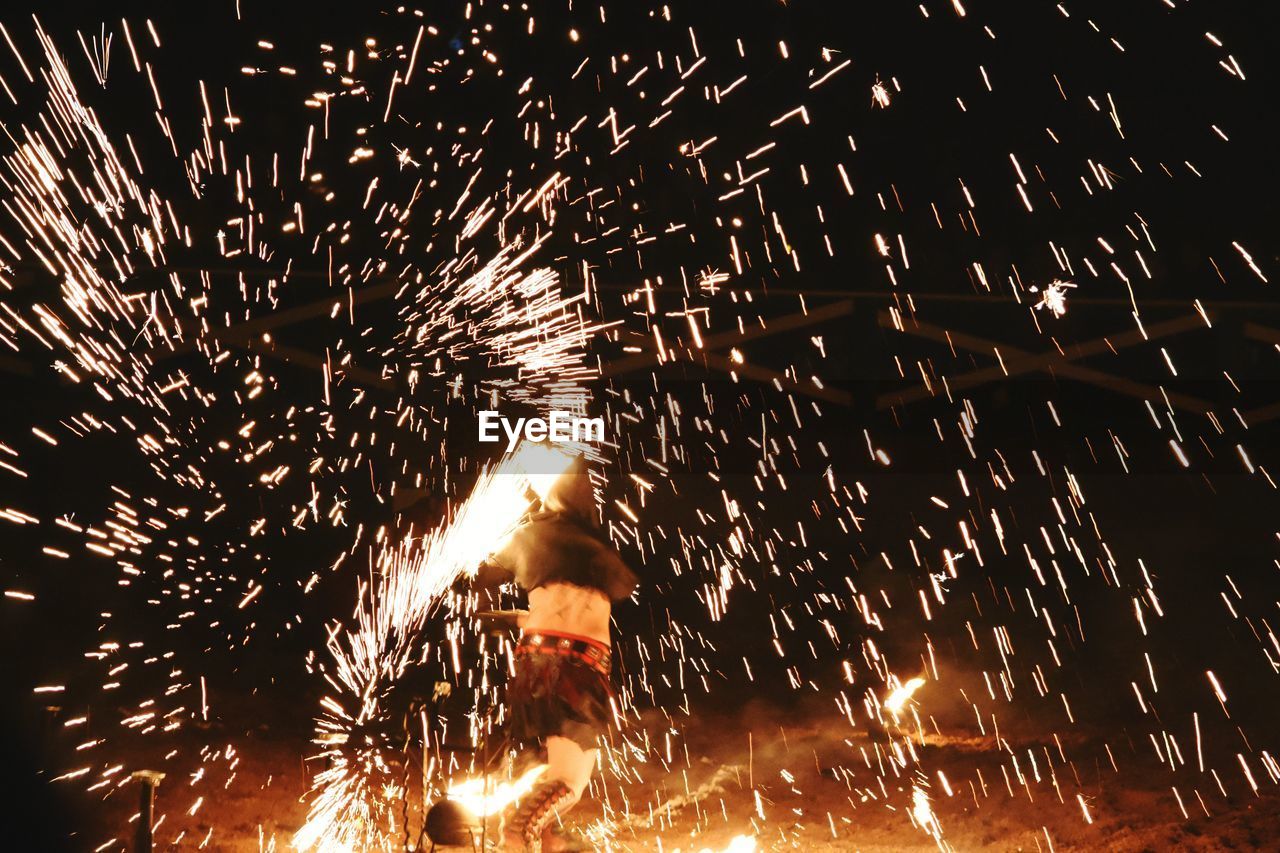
{"x": 535, "y": 813}
{"x": 556, "y": 839}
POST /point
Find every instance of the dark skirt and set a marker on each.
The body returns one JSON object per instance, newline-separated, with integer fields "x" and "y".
{"x": 554, "y": 695}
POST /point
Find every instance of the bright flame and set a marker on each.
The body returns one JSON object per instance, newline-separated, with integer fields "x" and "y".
{"x": 898, "y": 698}
{"x": 472, "y": 797}
{"x": 739, "y": 844}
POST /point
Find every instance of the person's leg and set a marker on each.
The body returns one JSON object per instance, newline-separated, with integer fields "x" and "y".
{"x": 560, "y": 786}
{"x": 563, "y": 697}
{"x": 568, "y": 762}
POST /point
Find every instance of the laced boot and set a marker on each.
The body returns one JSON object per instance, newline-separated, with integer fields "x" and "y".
{"x": 534, "y": 814}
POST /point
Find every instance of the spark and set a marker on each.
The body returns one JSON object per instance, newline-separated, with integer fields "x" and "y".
{"x": 880, "y": 94}
{"x": 923, "y": 815}
{"x": 1054, "y": 297}
{"x": 579, "y": 268}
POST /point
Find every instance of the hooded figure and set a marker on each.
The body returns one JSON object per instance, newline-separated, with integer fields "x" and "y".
{"x": 562, "y": 542}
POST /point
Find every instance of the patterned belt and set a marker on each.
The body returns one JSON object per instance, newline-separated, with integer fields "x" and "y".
{"x": 593, "y": 653}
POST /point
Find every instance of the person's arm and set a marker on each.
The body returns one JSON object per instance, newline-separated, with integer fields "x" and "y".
{"x": 489, "y": 580}
{"x": 501, "y": 621}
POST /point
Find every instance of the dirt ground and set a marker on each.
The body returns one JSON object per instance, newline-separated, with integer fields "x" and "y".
{"x": 791, "y": 780}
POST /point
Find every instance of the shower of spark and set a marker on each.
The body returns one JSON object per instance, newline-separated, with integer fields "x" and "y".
{"x": 620, "y": 211}
{"x": 922, "y": 814}
{"x": 354, "y": 800}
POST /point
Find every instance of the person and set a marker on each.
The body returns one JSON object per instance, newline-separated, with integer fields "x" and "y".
{"x": 560, "y": 697}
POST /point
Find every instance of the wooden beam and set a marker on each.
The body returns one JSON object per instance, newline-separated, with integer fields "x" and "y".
{"x": 779, "y": 380}
{"x": 1271, "y": 412}
{"x": 1262, "y": 415}
{"x": 721, "y": 340}
{"x": 1018, "y": 361}
{"x": 1262, "y": 333}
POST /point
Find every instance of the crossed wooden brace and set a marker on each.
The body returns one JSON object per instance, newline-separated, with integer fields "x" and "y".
{"x": 1014, "y": 362}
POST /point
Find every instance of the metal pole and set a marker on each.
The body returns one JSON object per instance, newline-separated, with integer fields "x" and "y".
{"x": 150, "y": 779}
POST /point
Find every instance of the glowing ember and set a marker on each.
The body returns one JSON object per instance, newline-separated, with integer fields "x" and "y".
{"x": 1055, "y": 297}
{"x": 899, "y": 697}
{"x": 739, "y": 844}
{"x": 922, "y": 814}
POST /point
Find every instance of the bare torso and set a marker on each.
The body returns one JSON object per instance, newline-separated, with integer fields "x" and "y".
{"x": 569, "y": 609}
